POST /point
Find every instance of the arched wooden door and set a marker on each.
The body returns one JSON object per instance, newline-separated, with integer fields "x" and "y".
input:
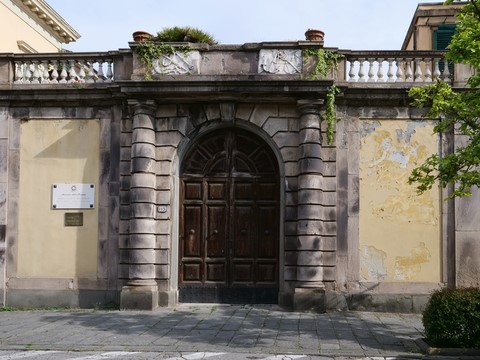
{"x": 229, "y": 223}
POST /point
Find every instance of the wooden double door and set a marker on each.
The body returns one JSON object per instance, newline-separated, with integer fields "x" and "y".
{"x": 229, "y": 233}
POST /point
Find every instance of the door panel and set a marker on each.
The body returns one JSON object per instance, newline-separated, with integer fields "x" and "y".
{"x": 229, "y": 221}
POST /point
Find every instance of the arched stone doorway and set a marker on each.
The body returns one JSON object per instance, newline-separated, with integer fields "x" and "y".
{"x": 229, "y": 220}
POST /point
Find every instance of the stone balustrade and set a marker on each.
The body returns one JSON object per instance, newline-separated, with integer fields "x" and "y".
{"x": 82, "y": 68}
{"x": 397, "y": 67}
{"x": 278, "y": 60}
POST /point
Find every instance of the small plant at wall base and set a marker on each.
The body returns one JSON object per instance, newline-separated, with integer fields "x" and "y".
{"x": 330, "y": 113}
{"x": 325, "y": 60}
{"x": 452, "y": 318}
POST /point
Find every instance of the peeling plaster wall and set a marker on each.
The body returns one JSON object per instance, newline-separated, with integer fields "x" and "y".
{"x": 400, "y": 237}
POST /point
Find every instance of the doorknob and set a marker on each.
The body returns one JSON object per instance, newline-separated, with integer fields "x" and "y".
{"x": 191, "y": 231}
{"x": 215, "y": 231}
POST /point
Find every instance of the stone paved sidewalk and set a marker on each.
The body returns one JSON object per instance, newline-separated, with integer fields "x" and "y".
{"x": 221, "y": 328}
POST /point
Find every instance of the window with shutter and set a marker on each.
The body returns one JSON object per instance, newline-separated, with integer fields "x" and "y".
{"x": 441, "y": 39}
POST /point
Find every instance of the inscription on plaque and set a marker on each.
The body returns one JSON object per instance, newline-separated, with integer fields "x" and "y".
{"x": 73, "y": 219}
{"x": 73, "y": 196}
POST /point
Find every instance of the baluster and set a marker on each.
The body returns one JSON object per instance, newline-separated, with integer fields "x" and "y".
{"x": 45, "y": 75}
{"x": 361, "y": 71}
{"x": 27, "y": 79}
{"x": 35, "y": 73}
{"x": 19, "y": 66}
{"x": 428, "y": 71}
{"x": 399, "y": 74}
{"x": 54, "y": 75}
{"x": 72, "y": 75}
{"x": 91, "y": 72}
{"x": 436, "y": 71}
{"x": 109, "y": 71}
{"x": 418, "y": 71}
{"x": 81, "y": 73}
{"x": 408, "y": 70}
{"x": 390, "y": 72}
{"x": 380, "y": 75}
{"x": 371, "y": 73}
{"x": 101, "y": 77}
{"x": 63, "y": 72}
{"x": 351, "y": 73}
{"x": 446, "y": 72}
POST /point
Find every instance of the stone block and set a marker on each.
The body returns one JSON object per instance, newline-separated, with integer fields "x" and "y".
{"x": 212, "y": 112}
{"x": 143, "y": 121}
{"x": 309, "y": 136}
{"x": 212, "y": 63}
{"x": 244, "y": 111}
{"x": 143, "y": 226}
{"x": 291, "y": 168}
{"x": 284, "y": 139}
{"x": 308, "y": 196}
{"x": 143, "y": 150}
{"x": 139, "y": 298}
{"x": 141, "y": 256}
{"x": 163, "y": 182}
{"x": 289, "y": 153}
{"x": 143, "y": 165}
{"x": 239, "y": 62}
{"x": 163, "y": 167}
{"x": 310, "y": 181}
{"x": 162, "y": 271}
{"x": 164, "y": 227}
{"x": 143, "y": 210}
{"x": 310, "y": 273}
{"x": 467, "y": 258}
{"x": 275, "y": 125}
{"x": 163, "y": 197}
{"x": 310, "y": 165}
{"x": 171, "y": 138}
{"x": 309, "y": 300}
{"x": 165, "y": 153}
{"x": 163, "y": 241}
{"x": 288, "y": 111}
{"x": 142, "y": 195}
{"x": 169, "y": 110}
{"x": 146, "y": 136}
{"x": 310, "y": 150}
{"x": 162, "y": 257}
{"x": 141, "y": 271}
{"x": 143, "y": 180}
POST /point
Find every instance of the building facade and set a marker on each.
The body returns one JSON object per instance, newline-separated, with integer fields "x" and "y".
{"x": 214, "y": 181}
{"x": 38, "y": 27}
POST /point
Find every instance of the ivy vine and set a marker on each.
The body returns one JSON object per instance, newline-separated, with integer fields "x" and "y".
{"x": 148, "y": 51}
{"x": 330, "y": 113}
{"x": 326, "y": 60}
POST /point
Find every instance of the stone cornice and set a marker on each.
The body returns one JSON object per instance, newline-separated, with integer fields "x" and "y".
{"x": 49, "y": 19}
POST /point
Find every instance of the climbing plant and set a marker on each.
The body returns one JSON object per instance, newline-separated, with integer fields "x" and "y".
{"x": 149, "y": 51}
{"x": 325, "y": 60}
{"x": 330, "y": 112}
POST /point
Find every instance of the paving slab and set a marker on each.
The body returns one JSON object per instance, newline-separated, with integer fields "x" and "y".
{"x": 225, "y": 328}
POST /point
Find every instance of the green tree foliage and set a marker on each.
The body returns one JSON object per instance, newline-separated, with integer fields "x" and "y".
{"x": 459, "y": 109}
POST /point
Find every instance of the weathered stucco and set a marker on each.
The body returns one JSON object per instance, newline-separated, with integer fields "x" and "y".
{"x": 56, "y": 151}
{"x": 399, "y": 230}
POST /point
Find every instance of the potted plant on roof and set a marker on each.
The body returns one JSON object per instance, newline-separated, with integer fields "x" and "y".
{"x": 314, "y": 35}
{"x": 167, "y": 44}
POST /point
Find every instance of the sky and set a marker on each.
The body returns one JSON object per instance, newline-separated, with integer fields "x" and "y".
{"x": 348, "y": 24}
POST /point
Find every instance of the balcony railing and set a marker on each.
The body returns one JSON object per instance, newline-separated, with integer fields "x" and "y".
{"x": 63, "y": 68}
{"x": 397, "y": 67}
{"x": 357, "y": 68}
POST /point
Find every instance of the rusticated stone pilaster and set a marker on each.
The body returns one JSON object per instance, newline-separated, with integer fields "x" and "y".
{"x": 141, "y": 291}
{"x": 310, "y": 227}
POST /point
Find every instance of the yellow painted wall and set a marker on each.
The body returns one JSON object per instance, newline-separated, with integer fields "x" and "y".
{"x": 13, "y": 29}
{"x": 56, "y": 151}
{"x": 399, "y": 230}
